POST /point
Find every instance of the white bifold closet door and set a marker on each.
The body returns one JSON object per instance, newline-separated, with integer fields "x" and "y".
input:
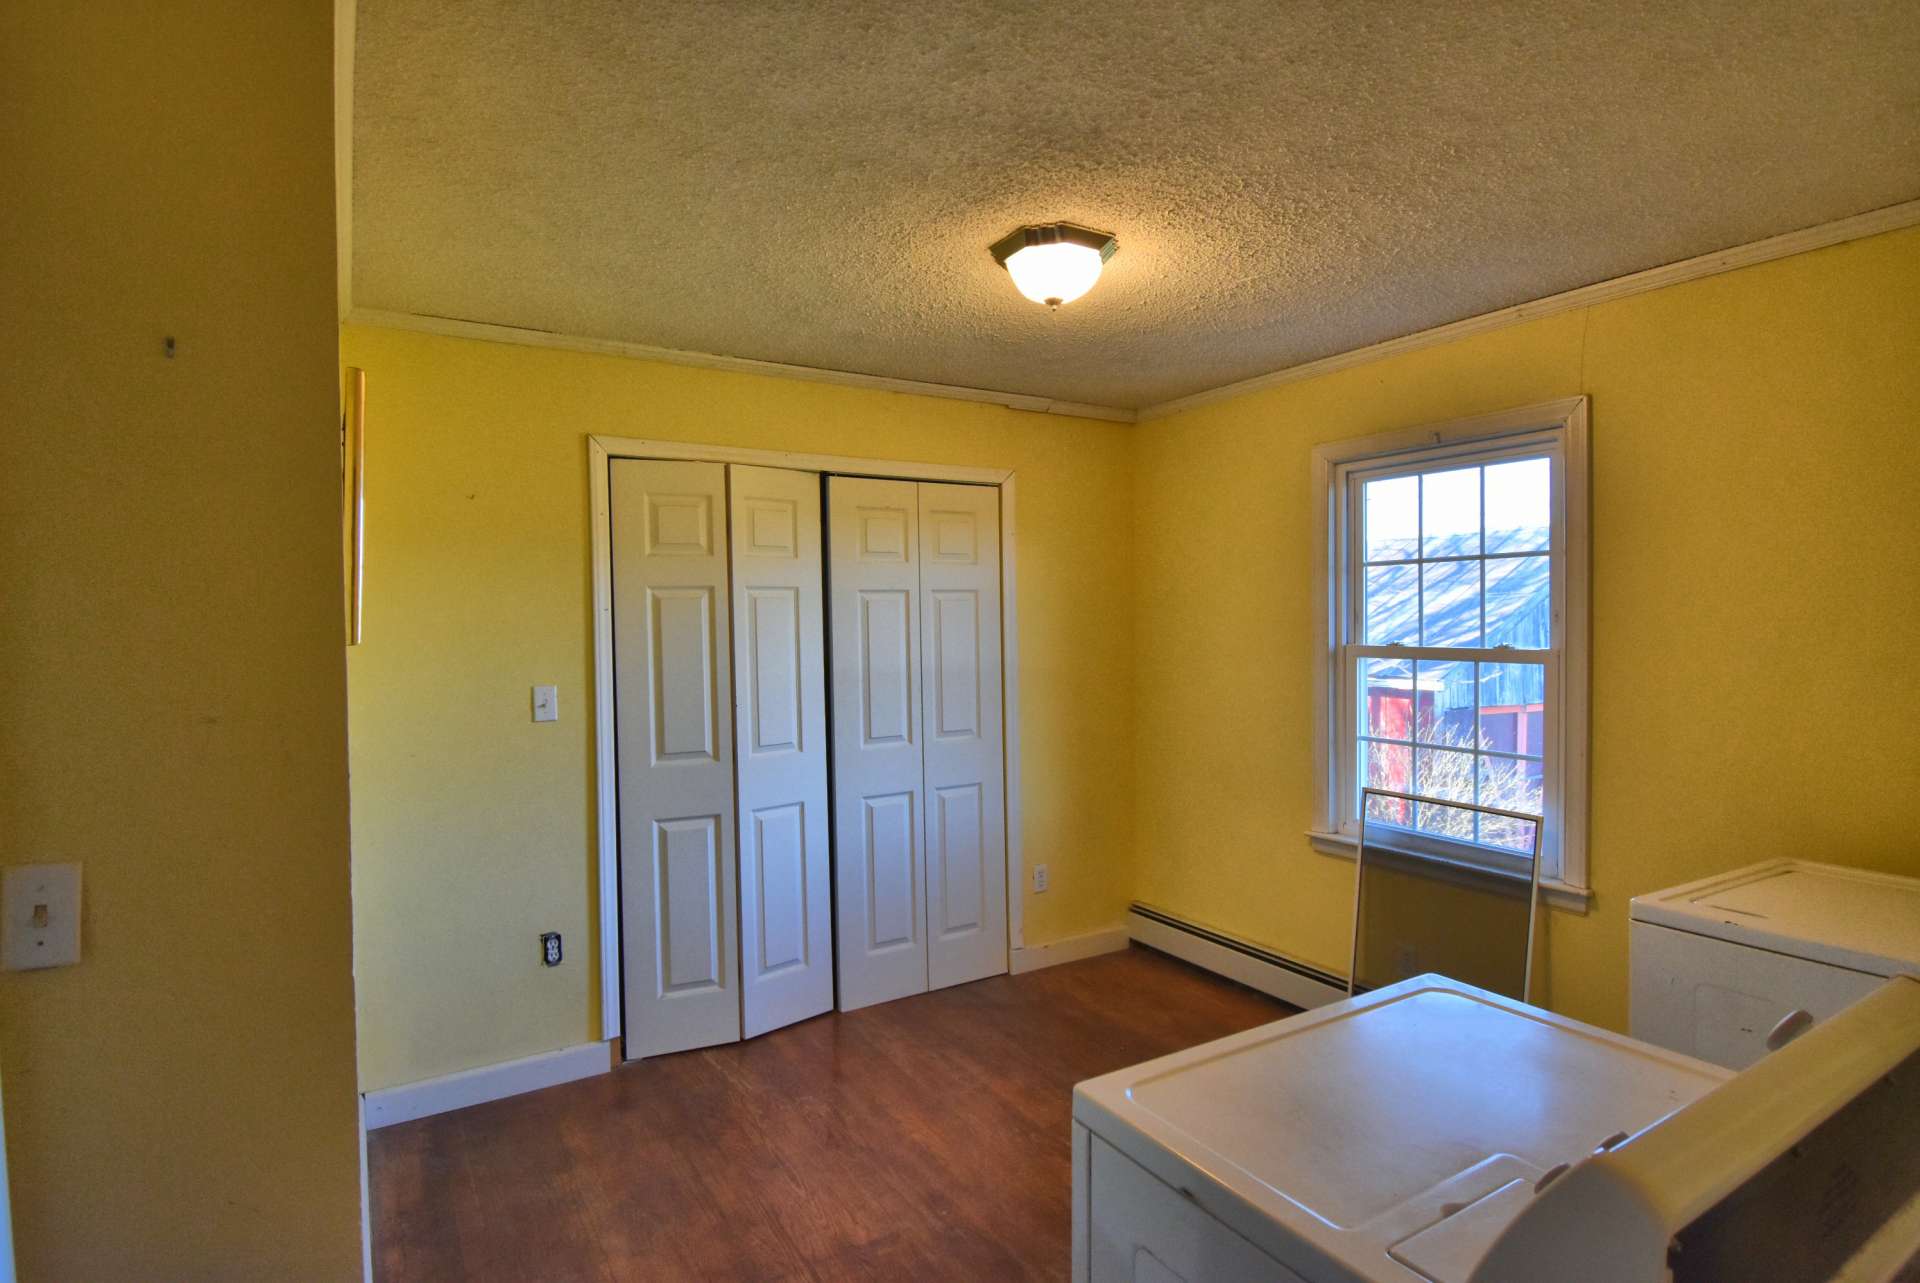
{"x": 779, "y": 665}
{"x": 874, "y": 607}
{"x": 919, "y": 798}
{"x": 673, "y": 734}
{"x": 966, "y": 819}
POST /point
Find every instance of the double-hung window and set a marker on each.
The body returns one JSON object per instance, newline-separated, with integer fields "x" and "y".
{"x": 1455, "y": 647}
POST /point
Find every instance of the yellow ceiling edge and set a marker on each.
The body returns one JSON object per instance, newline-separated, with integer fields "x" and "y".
{"x": 1886, "y": 219}
{"x": 454, "y": 327}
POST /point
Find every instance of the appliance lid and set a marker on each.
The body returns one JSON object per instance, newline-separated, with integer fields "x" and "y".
{"x": 1823, "y": 912}
{"x": 1340, "y": 1132}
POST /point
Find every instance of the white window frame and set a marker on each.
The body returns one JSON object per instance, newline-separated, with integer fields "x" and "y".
{"x": 1557, "y": 430}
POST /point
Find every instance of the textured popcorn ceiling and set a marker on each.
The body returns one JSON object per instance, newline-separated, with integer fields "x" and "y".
{"x": 817, "y": 183}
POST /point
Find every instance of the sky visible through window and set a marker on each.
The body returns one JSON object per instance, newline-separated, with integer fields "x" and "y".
{"x": 1457, "y": 557}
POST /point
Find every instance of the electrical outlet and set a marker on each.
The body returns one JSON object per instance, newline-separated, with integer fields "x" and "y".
{"x": 550, "y": 948}
{"x": 1040, "y": 882}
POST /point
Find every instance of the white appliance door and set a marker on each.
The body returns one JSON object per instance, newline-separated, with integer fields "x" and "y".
{"x": 965, "y": 826}
{"x": 780, "y": 725}
{"x": 1143, "y": 1231}
{"x": 873, "y": 595}
{"x": 1719, "y": 1001}
{"x": 673, "y": 737}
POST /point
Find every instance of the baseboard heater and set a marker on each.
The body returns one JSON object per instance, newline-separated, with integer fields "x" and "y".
{"x": 1240, "y": 960}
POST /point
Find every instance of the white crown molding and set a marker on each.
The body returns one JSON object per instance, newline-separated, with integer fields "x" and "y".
{"x": 453, "y": 327}
{"x": 1888, "y": 219}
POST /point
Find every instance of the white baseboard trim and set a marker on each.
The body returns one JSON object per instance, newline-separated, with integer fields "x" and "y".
{"x": 409, "y": 1101}
{"x": 1072, "y": 949}
{"x": 1252, "y": 966}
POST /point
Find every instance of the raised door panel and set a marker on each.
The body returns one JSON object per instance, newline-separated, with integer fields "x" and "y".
{"x": 786, "y": 896}
{"x": 674, "y": 742}
{"x": 690, "y": 934}
{"x": 685, "y": 675}
{"x": 960, "y": 854}
{"x": 780, "y": 902}
{"x": 885, "y": 644}
{"x": 956, "y": 663}
{"x": 965, "y": 819}
{"x": 878, "y": 818}
{"x": 773, "y": 672}
{"x": 892, "y": 853}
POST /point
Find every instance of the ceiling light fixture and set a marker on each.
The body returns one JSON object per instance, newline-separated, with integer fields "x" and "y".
{"x": 1054, "y": 263}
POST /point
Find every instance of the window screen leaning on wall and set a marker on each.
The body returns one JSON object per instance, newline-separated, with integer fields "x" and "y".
{"x": 1453, "y": 648}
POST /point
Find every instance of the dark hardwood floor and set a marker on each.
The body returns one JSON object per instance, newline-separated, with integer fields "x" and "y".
{"x": 918, "y": 1140}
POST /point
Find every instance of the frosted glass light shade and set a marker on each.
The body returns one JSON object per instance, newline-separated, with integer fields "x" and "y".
{"x": 1054, "y": 274}
{"x": 1054, "y": 263}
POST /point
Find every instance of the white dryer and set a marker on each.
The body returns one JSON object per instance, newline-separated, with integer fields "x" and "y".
{"x": 1720, "y": 964}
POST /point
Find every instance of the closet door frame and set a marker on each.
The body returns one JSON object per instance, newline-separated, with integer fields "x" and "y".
{"x": 601, "y": 450}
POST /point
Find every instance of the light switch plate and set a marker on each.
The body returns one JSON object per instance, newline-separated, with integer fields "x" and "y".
{"x": 39, "y": 916}
{"x": 546, "y": 703}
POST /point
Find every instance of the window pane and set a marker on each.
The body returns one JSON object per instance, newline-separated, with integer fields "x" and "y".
{"x": 1519, "y": 506}
{"x": 1519, "y": 603}
{"x": 1389, "y": 810}
{"x": 1444, "y": 821}
{"x": 1443, "y": 773}
{"x": 1393, "y": 606}
{"x": 1451, "y": 605}
{"x": 1450, "y": 513}
{"x": 1386, "y": 698}
{"x": 1387, "y": 766}
{"x": 1511, "y": 785}
{"x": 1446, "y": 703}
{"x": 1393, "y": 519}
{"x": 1512, "y": 699}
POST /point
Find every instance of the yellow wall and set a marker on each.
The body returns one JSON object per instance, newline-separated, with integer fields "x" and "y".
{"x": 1756, "y": 595}
{"x": 473, "y": 827}
{"x": 181, "y": 1103}
{"x": 1754, "y": 578}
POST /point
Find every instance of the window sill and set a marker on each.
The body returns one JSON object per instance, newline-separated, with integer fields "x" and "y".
{"x": 1561, "y": 895}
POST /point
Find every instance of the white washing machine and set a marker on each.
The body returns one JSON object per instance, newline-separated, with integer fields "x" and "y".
{"x": 1721, "y": 964}
{"x": 1387, "y": 1137}
{"x": 1437, "y": 1133}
